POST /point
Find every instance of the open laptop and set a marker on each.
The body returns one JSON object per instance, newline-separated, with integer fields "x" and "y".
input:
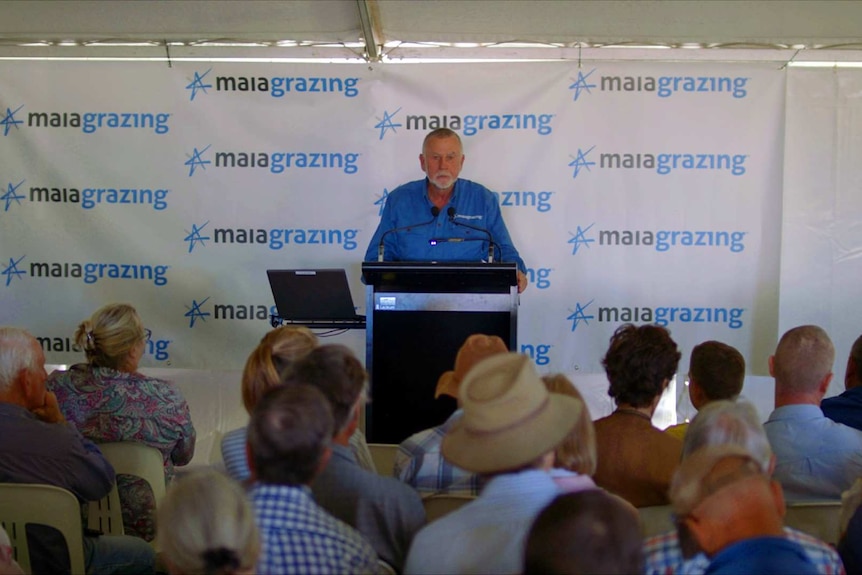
{"x": 314, "y": 298}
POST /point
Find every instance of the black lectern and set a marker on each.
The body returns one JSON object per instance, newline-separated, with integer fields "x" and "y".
{"x": 418, "y": 315}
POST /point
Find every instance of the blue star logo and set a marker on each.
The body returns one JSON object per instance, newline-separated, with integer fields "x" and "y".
{"x": 386, "y": 123}
{"x": 195, "y": 236}
{"x": 195, "y": 160}
{"x": 580, "y": 161}
{"x": 198, "y": 84}
{"x": 382, "y": 201}
{"x": 195, "y": 312}
{"x": 12, "y": 270}
{"x": 12, "y": 196}
{"x": 581, "y": 84}
{"x": 9, "y": 121}
{"x": 579, "y": 239}
{"x": 580, "y": 315}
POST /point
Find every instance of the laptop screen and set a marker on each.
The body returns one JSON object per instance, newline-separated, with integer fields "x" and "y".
{"x": 312, "y": 294}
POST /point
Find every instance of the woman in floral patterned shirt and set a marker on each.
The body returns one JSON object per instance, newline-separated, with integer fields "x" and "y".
{"x": 108, "y": 401}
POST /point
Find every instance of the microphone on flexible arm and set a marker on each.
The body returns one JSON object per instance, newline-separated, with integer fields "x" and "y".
{"x": 435, "y": 211}
{"x": 491, "y": 243}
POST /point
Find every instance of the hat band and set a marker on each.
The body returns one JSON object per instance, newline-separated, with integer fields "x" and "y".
{"x": 532, "y": 415}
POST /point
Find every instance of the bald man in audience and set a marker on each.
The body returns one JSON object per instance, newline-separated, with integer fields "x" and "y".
{"x": 817, "y": 458}
{"x": 847, "y": 407}
{"x": 724, "y": 500}
{"x": 727, "y": 423}
{"x": 716, "y": 371}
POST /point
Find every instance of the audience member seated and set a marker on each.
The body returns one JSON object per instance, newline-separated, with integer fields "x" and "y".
{"x": 816, "y": 458}
{"x": 385, "y": 511}
{"x": 509, "y": 430}
{"x": 575, "y": 457}
{"x": 847, "y": 407}
{"x": 419, "y": 462}
{"x": 36, "y": 446}
{"x": 716, "y": 371}
{"x": 8, "y": 565}
{"x": 288, "y": 442}
{"x": 584, "y": 533}
{"x": 277, "y": 351}
{"x": 205, "y": 524}
{"x": 850, "y": 544}
{"x": 635, "y": 460}
{"x": 727, "y": 504}
{"x": 716, "y": 424}
{"x": 108, "y": 400}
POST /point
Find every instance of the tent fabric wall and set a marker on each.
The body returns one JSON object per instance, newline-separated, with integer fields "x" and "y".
{"x": 597, "y": 160}
{"x": 821, "y": 258}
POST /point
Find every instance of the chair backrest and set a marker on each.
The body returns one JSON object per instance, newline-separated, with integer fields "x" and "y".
{"x": 127, "y": 458}
{"x": 27, "y": 503}
{"x": 383, "y": 455}
{"x": 655, "y": 519}
{"x": 436, "y": 506}
{"x": 818, "y": 518}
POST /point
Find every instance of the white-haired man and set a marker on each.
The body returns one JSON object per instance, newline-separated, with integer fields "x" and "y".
{"x": 458, "y": 208}
{"x": 37, "y": 446}
{"x": 722, "y": 423}
{"x": 733, "y": 510}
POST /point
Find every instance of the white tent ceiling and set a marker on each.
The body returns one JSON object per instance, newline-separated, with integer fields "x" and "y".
{"x": 410, "y": 28}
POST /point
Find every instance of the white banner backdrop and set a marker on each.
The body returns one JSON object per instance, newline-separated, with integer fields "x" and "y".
{"x": 821, "y": 259}
{"x": 634, "y": 192}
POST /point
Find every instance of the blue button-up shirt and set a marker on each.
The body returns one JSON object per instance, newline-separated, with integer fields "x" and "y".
{"x": 816, "y": 458}
{"x": 474, "y": 205}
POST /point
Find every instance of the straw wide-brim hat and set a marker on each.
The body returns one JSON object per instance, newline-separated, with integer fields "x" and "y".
{"x": 475, "y": 348}
{"x": 509, "y": 417}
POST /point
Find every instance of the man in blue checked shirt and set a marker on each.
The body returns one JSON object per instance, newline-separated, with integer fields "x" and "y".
{"x": 288, "y": 443}
{"x": 443, "y": 218}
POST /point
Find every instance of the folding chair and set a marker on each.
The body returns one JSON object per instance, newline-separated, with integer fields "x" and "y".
{"x": 817, "y": 518}
{"x": 27, "y": 503}
{"x": 655, "y": 519}
{"x": 383, "y": 455}
{"x": 128, "y": 458}
{"x": 436, "y": 506}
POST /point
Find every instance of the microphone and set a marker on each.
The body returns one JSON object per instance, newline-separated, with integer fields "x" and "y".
{"x": 451, "y": 213}
{"x": 435, "y": 241}
{"x": 435, "y": 211}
